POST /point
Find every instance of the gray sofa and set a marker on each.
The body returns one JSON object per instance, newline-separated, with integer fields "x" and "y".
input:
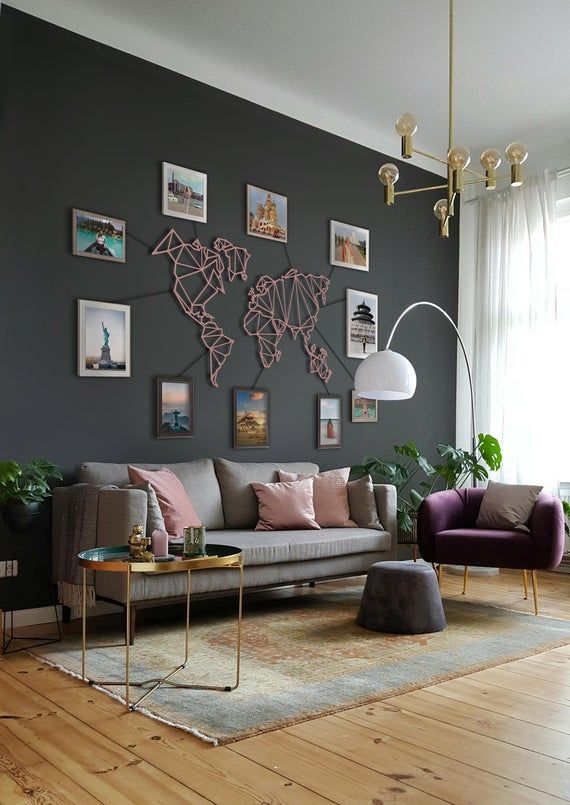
{"x": 221, "y": 493}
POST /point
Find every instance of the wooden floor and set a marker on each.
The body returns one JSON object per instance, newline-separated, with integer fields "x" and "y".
{"x": 497, "y": 736}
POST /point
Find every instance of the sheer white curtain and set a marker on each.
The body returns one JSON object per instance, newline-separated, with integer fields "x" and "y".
{"x": 522, "y": 330}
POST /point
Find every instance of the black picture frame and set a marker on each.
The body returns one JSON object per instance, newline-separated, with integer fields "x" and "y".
{"x": 321, "y": 445}
{"x": 160, "y": 431}
{"x": 238, "y": 442}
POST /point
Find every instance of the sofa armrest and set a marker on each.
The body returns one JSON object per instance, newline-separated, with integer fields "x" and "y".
{"x": 117, "y": 512}
{"x": 438, "y": 512}
{"x": 547, "y": 528}
{"x": 386, "y": 498}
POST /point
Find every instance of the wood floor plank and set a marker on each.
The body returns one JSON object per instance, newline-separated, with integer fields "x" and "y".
{"x": 336, "y": 777}
{"x": 43, "y": 784}
{"x": 106, "y": 770}
{"x": 546, "y": 774}
{"x": 551, "y": 672}
{"x": 502, "y": 677}
{"x": 413, "y": 766}
{"x": 215, "y": 772}
{"x": 507, "y": 702}
{"x": 468, "y": 717}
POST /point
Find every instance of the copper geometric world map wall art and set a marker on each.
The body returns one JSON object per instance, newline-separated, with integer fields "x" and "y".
{"x": 290, "y": 303}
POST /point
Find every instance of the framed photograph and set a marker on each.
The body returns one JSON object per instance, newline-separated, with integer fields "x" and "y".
{"x": 363, "y": 410}
{"x": 98, "y": 236}
{"x": 104, "y": 339}
{"x": 349, "y": 246}
{"x": 174, "y": 408}
{"x": 266, "y": 214}
{"x": 361, "y": 323}
{"x": 329, "y": 420}
{"x": 251, "y": 417}
{"x": 184, "y": 193}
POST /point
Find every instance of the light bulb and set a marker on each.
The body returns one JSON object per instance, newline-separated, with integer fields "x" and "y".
{"x": 491, "y": 159}
{"x": 440, "y": 209}
{"x": 406, "y": 125}
{"x": 441, "y": 212}
{"x": 458, "y": 157}
{"x": 389, "y": 173}
{"x": 516, "y": 153}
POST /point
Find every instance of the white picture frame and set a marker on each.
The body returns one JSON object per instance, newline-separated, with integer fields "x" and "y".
{"x": 349, "y": 246}
{"x": 187, "y": 203}
{"x": 105, "y": 352}
{"x": 361, "y": 323}
{"x": 276, "y": 230}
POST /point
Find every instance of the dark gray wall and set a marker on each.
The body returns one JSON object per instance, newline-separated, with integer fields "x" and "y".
{"x": 87, "y": 126}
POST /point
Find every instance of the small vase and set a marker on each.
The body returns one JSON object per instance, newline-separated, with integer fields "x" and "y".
{"x": 20, "y": 516}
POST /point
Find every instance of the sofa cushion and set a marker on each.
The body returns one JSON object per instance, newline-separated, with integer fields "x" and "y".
{"x": 484, "y": 546}
{"x": 330, "y": 496}
{"x": 198, "y": 479}
{"x": 268, "y": 547}
{"x": 238, "y": 498}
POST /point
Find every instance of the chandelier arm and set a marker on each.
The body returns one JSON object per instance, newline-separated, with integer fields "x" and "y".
{"x": 463, "y": 350}
{"x": 481, "y": 176}
{"x": 479, "y": 181}
{"x": 420, "y": 190}
{"x": 429, "y": 156}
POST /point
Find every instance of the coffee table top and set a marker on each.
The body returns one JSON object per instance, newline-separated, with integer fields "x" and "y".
{"x": 115, "y": 559}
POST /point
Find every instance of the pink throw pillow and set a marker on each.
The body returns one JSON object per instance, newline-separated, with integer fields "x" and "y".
{"x": 285, "y": 505}
{"x": 175, "y": 505}
{"x": 330, "y": 496}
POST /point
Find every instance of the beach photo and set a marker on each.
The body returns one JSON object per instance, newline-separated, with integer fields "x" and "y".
{"x": 251, "y": 417}
{"x": 266, "y": 214}
{"x": 361, "y": 323}
{"x": 349, "y": 246}
{"x": 363, "y": 410}
{"x": 184, "y": 193}
{"x": 329, "y": 420}
{"x": 104, "y": 339}
{"x": 174, "y": 408}
{"x": 98, "y": 236}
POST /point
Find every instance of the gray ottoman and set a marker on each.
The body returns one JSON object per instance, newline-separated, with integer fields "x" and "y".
{"x": 401, "y": 598}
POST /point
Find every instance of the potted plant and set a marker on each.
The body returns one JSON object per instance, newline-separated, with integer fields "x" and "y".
{"x": 456, "y": 468}
{"x": 23, "y": 489}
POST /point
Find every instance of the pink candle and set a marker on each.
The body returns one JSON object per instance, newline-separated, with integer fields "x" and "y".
{"x": 159, "y": 542}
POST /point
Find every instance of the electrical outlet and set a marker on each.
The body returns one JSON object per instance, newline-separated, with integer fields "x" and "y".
{"x": 2, "y": 570}
{"x": 12, "y": 568}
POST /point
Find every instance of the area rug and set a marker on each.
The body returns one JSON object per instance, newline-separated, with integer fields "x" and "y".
{"x": 302, "y": 657}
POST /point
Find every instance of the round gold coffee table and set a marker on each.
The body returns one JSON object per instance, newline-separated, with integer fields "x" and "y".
{"x": 116, "y": 559}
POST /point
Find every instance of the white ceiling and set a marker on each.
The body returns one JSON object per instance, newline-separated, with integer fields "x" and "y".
{"x": 352, "y": 66}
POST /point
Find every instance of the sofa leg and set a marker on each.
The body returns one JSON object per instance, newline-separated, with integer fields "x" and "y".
{"x": 525, "y": 585}
{"x": 415, "y": 553}
{"x": 311, "y": 584}
{"x": 132, "y": 623}
{"x": 465, "y": 574}
{"x": 66, "y": 614}
{"x": 534, "y": 577}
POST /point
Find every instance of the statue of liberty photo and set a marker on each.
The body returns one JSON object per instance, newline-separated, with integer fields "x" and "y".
{"x": 106, "y": 335}
{"x": 105, "y": 361}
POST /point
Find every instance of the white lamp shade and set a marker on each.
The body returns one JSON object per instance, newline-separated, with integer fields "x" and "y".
{"x": 385, "y": 375}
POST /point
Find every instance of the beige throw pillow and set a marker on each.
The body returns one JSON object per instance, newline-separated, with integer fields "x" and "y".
{"x": 507, "y": 506}
{"x": 362, "y": 502}
{"x": 154, "y": 518}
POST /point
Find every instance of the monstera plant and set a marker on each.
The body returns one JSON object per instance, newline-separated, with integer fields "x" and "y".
{"x": 23, "y": 489}
{"x": 456, "y": 468}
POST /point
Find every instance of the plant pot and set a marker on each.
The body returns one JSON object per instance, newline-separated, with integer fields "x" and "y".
{"x": 20, "y": 516}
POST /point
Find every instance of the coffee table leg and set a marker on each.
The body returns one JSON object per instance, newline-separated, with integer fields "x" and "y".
{"x": 128, "y": 642}
{"x": 83, "y": 622}
{"x": 240, "y": 610}
{"x": 188, "y": 591}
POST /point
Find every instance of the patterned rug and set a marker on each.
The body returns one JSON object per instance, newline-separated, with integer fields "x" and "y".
{"x": 302, "y": 657}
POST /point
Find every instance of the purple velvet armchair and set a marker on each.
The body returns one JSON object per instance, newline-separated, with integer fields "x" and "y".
{"x": 447, "y": 534}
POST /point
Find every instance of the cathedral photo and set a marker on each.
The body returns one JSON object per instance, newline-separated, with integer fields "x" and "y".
{"x": 266, "y": 214}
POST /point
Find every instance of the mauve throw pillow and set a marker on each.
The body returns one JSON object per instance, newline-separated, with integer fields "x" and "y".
{"x": 175, "y": 505}
{"x": 285, "y": 505}
{"x": 330, "y": 497}
{"x": 507, "y": 506}
{"x": 362, "y": 502}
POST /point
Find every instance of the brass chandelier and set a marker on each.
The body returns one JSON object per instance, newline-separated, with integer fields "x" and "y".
{"x": 457, "y": 159}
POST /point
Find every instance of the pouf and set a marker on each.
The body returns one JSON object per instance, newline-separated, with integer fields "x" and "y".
{"x": 401, "y": 598}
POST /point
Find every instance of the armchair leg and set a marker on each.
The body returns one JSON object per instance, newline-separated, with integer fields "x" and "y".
{"x": 525, "y": 585}
{"x": 440, "y": 574}
{"x": 534, "y": 577}
{"x": 465, "y": 574}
